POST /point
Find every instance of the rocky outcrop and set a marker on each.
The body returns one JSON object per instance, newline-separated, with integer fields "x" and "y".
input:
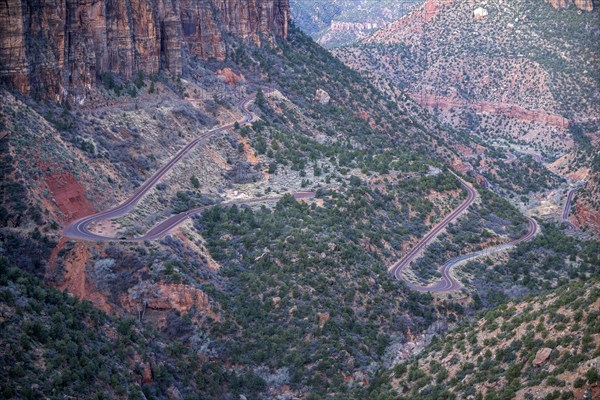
{"x": 323, "y": 318}
{"x": 166, "y": 297}
{"x": 413, "y": 23}
{"x": 586, "y": 209}
{"x": 52, "y": 48}
{"x": 480, "y": 13}
{"x": 322, "y": 96}
{"x": 542, "y": 356}
{"x": 230, "y": 77}
{"x": 154, "y": 301}
{"x": 586, "y": 5}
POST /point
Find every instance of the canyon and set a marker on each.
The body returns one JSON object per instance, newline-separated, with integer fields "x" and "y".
{"x": 515, "y": 74}
{"x": 266, "y": 275}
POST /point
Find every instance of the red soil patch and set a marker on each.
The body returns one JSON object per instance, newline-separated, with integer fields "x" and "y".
{"x": 75, "y": 281}
{"x": 51, "y": 271}
{"x": 468, "y": 152}
{"x": 459, "y": 166}
{"x": 230, "y": 77}
{"x": 69, "y": 195}
{"x": 586, "y": 216}
{"x": 248, "y": 151}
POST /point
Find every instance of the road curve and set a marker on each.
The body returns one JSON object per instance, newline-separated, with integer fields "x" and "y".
{"x": 399, "y": 266}
{"x": 79, "y": 228}
{"x": 448, "y": 283}
{"x": 510, "y": 158}
{"x": 163, "y": 228}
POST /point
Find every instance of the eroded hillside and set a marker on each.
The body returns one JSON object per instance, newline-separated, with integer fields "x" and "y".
{"x": 519, "y": 75}
{"x": 544, "y": 348}
{"x": 273, "y": 281}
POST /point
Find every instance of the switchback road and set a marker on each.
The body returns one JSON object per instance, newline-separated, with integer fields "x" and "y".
{"x": 448, "y": 283}
{"x": 399, "y": 266}
{"x": 79, "y": 229}
{"x": 174, "y": 221}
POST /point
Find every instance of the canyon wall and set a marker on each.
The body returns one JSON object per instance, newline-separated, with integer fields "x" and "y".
{"x": 53, "y": 48}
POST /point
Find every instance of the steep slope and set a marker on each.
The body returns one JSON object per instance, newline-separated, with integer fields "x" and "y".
{"x": 283, "y": 298}
{"x": 495, "y": 61}
{"x": 323, "y": 129}
{"x": 547, "y": 347}
{"x": 55, "y": 345}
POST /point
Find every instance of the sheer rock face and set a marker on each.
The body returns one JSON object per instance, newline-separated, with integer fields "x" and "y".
{"x": 53, "y": 48}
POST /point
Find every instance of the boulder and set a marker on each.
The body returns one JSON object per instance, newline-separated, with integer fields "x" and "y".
{"x": 322, "y": 96}
{"x": 480, "y": 13}
{"x": 276, "y": 301}
{"x": 323, "y": 318}
{"x": 542, "y": 356}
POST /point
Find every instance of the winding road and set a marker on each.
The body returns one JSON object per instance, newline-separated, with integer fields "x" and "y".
{"x": 174, "y": 221}
{"x": 400, "y": 265}
{"x": 79, "y": 229}
{"x": 510, "y": 158}
{"x": 448, "y": 283}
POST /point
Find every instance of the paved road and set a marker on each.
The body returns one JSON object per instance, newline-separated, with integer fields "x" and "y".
{"x": 397, "y": 268}
{"x": 567, "y": 209}
{"x": 162, "y": 229}
{"x": 79, "y": 229}
{"x": 510, "y": 158}
{"x": 448, "y": 283}
{"x": 536, "y": 157}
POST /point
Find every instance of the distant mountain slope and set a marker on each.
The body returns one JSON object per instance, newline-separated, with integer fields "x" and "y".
{"x": 521, "y": 63}
{"x": 333, "y": 23}
{"x": 520, "y": 74}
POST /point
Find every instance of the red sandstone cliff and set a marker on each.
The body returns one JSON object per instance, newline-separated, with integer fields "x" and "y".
{"x": 51, "y": 48}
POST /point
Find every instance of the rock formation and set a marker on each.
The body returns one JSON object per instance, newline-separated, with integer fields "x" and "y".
{"x": 480, "y": 13}
{"x": 162, "y": 298}
{"x": 541, "y": 356}
{"x": 322, "y": 96}
{"x": 586, "y": 5}
{"x": 53, "y": 48}
{"x": 431, "y": 101}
